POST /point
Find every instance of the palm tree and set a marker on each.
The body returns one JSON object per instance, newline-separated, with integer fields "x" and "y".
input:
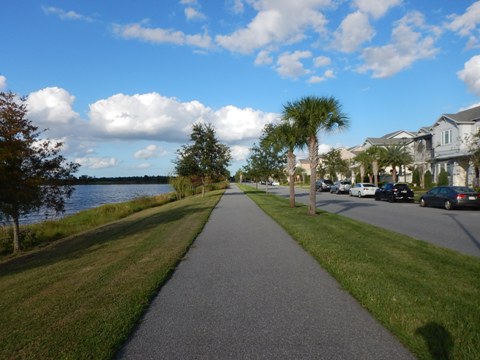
{"x": 375, "y": 154}
{"x": 285, "y": 136}
{"x": 364, "y": 160}
{"x": 312, "y": 115}
{"x": 396, "y": 155}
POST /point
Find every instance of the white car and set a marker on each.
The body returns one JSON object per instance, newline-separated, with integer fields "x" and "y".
{"x": 363, "y": 189}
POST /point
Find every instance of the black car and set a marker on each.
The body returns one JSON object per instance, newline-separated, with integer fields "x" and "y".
{"x": 451, "y": 197}
{"x": 394, "y": 192}
{"x": 324, "y": 185}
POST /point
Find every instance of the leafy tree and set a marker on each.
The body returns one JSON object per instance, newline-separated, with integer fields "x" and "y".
{"x": 334, "y": 164}
{"x": 365, "y": 162}
{"x": 266, "y": 159}
{"x": 396, "y": 155}
{"x": 33, "y": 174}
{"x": 206, "y": 159}
{"x": 285, "y": 137}
{"x": 416, "y": 177}
{"x": 312, "y": 115}
{"x": 443, "y": 177}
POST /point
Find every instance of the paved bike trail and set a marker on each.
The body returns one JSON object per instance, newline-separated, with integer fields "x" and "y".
{"x": 247, "y": 290}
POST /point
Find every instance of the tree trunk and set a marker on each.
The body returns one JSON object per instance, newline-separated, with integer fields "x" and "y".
{"x": 291, "y": 175}
{"x": 362, "y": 172}
{"x": 16, "y": 235}
{"x": 313, "y": 157}
{"x": 375, "y": 171}
{"x": 394, "y": 174}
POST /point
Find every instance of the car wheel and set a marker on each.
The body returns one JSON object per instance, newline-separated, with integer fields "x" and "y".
{"x": 423, "y": 203}
{"x": 359, "y": 194}
{"x": 448, "y": 205}
{"x": 377, "y": 198}
{"x": 391, "y": 199}
{"x": 350, "y": 193}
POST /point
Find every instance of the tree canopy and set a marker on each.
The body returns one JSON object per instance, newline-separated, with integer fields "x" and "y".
{"x": 33, "y": 174}
{"x": 205, "y": 159}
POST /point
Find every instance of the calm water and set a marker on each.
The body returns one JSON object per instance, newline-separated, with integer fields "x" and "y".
{"x": 90, "y": 196}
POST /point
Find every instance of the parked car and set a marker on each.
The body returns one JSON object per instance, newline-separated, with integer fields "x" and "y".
{"x": 324, "y": 184}
{"x": 363, "y": 189}
{"x": 394, "y": 192}
{"x": 451, "y": 197}
{"x": 340, "y": 187}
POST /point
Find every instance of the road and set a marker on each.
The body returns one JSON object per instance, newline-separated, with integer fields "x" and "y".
{"x": 458, "y": 230}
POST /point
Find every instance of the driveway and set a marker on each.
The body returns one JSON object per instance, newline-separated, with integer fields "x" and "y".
{"x": 458, "y": 230}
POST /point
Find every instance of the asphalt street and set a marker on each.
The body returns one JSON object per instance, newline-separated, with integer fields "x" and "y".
{"x": 247, "y": 290}
{"x": 457, "y": 230}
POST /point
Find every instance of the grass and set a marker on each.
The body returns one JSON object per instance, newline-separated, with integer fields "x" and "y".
{"x": 80, "y": 297}
{"x": 41, "y": 234}
{"x": 427, "y": 296}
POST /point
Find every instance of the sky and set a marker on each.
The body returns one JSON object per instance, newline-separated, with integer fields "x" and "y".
{"x": 120, "y": 83}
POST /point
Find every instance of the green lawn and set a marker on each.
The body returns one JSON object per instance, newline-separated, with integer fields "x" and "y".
{"x": 80, "y": 297}
{"x": 429, "y": 297}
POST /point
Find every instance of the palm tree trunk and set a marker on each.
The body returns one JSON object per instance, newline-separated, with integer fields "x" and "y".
{"x": 375, "y": 171}
{"x": 313, "y": 158}
{"x": 291, "y": 176}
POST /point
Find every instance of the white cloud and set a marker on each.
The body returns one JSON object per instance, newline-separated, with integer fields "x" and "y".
{"x": 96, "y": 163}
{"x": 65, "y": 15}
{"x": 151, "y": 151}
{"x": 193, "y": 14}
{"x": 467, "y": 24}
{"x": 236, "y": 6}
{"x": 3, "y": 82}
{"x": 239, "y": 152}
{"x": 51, "y": 106}
{"x": 328, "y": 74}
{"x": 289, "y": 64}
{"x": 263, "y": 58}
{"x": 408, "y": 45}
{"x": 159, "y": 35}
{"x": 376, "y": 8}
{"x": 321, "y": 61}
{"x": 354, "y": 30}
{"x": 155, "y": 117}
{"x": 234, "y": 124}
{"x": 471, "y": 74}
{"x": 277, "y": 22}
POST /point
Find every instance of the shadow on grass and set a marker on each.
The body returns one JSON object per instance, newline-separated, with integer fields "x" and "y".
{"x": 438, "y": 340}
{"x": 78, "y": 245}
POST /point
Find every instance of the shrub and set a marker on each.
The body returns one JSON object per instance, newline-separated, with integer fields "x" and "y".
{"x": 443, "y": 178}
{"x": 416, "y": 177}
{"x": 427, "y": 179}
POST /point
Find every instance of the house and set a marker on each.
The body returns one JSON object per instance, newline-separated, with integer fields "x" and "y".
{"x": 450, "y": 136}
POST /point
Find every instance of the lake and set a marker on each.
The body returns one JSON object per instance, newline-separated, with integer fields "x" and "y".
{"x": 90, "y": 196}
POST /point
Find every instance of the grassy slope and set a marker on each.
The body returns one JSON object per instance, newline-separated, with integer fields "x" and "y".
{"x": 80, "y": 297}
{"x": 427, "y": 296}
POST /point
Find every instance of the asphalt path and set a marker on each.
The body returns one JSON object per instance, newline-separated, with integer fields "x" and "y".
{"x": 457, "y": 230}
{"x": 247, "y": 290}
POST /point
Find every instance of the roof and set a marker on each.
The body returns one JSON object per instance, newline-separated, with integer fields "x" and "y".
{"x": 386, "y": 142}
{"x": 467, "y": 116}
{"x": 395, "y": 133}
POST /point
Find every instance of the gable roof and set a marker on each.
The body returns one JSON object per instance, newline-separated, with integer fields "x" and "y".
{"x": 388, "y": 142}
{"x": 468, "y": 117}
{"x": 396, "y": 133}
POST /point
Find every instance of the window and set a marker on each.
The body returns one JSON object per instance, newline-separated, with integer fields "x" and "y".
{"x": 446, "y": 137}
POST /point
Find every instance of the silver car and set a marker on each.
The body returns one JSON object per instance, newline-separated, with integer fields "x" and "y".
{"x": 363, "y": 189}
{"x": 340, "y": 187}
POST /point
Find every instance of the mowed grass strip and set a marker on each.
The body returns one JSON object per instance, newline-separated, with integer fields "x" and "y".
{"x": 427, "y": 296}
{"x": 80, "y": 297}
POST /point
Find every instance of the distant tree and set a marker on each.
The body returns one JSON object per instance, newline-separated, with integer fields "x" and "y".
{"x": 443, "y": 177}
{"x": 416, "y": 177}
{"x": 206, "y": 159}
{"x": 285, "y": 137}
{"x": 396, "y": 155}
{"x": 334, "y": 164}
{"x": 313, "y": 115}
{"x": 33, "y": 174}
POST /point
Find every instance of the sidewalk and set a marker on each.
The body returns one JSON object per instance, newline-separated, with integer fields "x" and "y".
{"x": 247, "y": 290}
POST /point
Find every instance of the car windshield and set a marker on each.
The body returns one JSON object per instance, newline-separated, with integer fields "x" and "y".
{"x": 401, "y": 186}
{"x": 368, "y": 185}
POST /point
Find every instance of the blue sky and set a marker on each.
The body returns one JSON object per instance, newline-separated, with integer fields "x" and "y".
{"x": 121, "y": 82}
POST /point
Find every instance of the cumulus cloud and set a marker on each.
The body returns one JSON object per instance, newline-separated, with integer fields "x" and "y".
{"x": 263, "y": 58}
{"x": 151, "y": 151}
{"x": 96, "y": 163}
{"x": 471, "y": 74}
{"x": 466, "y": 25}
{"x": 290, "y": 65}
{"x": 408, "y": 45}
{"x": 376, "y": 8}
{"x": 321, "y": 61}
{"x": 239, "y": 152}
{"x": 354, "y": 30}
{"x": 3, "y": 82}
{"x": 159, "y": 35}
{"x": 328, "y": 74}
{"x": 155, "y": 117}
{"x": 51, "y": 106}
{"x": 276, "y": 22}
